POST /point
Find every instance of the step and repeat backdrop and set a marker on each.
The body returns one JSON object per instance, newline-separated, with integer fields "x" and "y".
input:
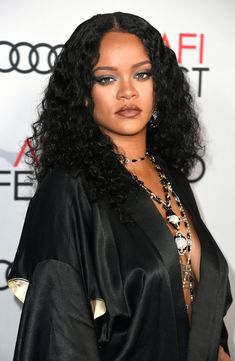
{"x": 31, "y": 36}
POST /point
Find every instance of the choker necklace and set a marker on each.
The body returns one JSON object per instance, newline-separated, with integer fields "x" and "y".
{"x": 183, "y": 242}
{"x": 128, "y": 160}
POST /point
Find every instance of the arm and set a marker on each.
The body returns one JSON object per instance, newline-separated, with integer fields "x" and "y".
{"x": 56, "y": 321}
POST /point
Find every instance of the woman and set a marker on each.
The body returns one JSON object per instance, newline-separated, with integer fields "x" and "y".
{"x": 114, "y": 256}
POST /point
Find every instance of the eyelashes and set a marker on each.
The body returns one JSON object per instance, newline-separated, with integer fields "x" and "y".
{"x": 109, "y": 79}
{"x": 144, "y": 74}
{"x": 104, "y": 80}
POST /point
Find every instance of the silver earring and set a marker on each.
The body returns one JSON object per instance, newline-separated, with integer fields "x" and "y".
{"x": 154, "y": 118}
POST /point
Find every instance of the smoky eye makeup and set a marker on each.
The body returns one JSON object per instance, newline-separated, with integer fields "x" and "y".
{"x": 104, "y": 79}
{"x": 143, "y": 74}
{"x": 108, "y": 77}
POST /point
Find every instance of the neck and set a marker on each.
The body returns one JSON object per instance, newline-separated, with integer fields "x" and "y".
{"x": 131, "y": 147}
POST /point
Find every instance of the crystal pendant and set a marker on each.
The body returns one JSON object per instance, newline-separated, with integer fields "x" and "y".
{"x": 173, "y": 219}
{"x": 186, "y": 273}
{"x": 181, "y": 243}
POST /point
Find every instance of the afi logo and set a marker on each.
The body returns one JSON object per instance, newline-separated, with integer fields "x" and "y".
{"x": 16, "y": 178}
{"x": 198, "y": 48}
{"x": 190, "y": 46}
{"x": 15, "y": 158}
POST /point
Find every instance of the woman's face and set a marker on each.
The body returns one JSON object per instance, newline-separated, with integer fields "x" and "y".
{"x": 123, "y": 92}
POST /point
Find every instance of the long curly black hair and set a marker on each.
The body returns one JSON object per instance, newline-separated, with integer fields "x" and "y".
{"x": 65, "y": 133}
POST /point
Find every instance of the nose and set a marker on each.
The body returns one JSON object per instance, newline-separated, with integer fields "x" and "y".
{"x": 127, "y": 90}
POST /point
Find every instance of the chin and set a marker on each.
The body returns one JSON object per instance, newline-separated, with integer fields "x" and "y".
{"x": 134, "y": 130}
{"x": 125, "y": 130}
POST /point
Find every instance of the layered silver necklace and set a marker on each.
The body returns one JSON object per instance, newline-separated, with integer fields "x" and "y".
{"x": 183, "y": 241}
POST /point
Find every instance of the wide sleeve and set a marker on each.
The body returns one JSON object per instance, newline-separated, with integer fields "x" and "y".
{"x": 47, "y": 275}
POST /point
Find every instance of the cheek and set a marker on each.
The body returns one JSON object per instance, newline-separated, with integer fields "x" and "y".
{"x": 97, "y": 99}
{"x": 146, "y": 93}
{"x": 103, "y": 100}
{"x": 99, "y": 107}
{"x": 152, "y": 93}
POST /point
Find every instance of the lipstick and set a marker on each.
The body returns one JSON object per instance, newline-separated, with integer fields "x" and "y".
{"x": 129, "y": 111}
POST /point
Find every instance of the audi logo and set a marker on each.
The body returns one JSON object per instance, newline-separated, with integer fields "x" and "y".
{"x": 7, "y": 265}
{"x": 25, "y": 57}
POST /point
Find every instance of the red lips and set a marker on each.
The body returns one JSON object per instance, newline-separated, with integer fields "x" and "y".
{"x": 129, "y": 111}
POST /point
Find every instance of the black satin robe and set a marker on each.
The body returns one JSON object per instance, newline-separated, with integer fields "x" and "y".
{"x": 72, "y": 251}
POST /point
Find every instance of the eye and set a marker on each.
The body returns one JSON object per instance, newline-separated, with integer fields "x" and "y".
{"x": 142, "y": 75}
{"x": 104, "y": 79}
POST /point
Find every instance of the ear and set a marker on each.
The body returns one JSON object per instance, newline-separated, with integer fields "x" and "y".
{"x": 86, "y": 102}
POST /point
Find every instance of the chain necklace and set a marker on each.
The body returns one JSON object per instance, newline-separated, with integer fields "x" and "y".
{"x": 183, "y": 243}
{"x": 128, "y": 160}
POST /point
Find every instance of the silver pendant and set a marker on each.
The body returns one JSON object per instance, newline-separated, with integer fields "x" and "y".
{"x": 173, "y": 219}
{"x": 181, "y": 243}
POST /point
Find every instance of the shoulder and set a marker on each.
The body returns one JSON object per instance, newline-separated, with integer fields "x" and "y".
{"x": 62, "y": 181}
{"x": 174, "y": 173}
{"x": 61, "y": 188}
{"x": 181, "y": 184}
{"x": 51, "y": 230}
{"x": 179, "y": 177}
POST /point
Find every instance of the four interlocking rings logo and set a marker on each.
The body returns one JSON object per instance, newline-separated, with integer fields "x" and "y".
{"x": 25, "y": 57}
{"x": 7, "y": 265}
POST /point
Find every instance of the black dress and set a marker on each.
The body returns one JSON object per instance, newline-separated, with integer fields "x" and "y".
{"x": 73, "y": 251}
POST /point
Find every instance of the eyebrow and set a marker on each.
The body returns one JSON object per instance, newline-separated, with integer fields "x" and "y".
{"x": 113, "y": 68}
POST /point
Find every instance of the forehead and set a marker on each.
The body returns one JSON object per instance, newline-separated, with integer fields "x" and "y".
{"x": 119, "y": 47}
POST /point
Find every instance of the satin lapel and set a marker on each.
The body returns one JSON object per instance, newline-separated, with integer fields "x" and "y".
{"x": 145, "y": 214}
{"x": 204, "y": 307}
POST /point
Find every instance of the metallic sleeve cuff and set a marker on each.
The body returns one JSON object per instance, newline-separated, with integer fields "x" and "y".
{"x": 98, "y": 307}
{"x": 19, "y": 287}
